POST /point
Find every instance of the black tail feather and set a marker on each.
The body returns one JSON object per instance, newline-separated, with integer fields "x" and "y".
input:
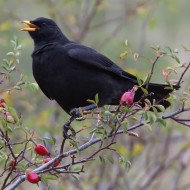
{"x": 156, "y": 92}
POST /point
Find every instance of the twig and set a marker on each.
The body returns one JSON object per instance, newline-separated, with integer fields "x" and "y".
{"x": 152, "y": 71}
{"x": 88, "y": 144}
{"x": 180, "y": 110}
{"x": 126, "y": 115}
{"x": 71, "y": 152}
{"x": 86, "y": 20}
{"x": 182, "y": 75}
{"x": 62, "y": 145}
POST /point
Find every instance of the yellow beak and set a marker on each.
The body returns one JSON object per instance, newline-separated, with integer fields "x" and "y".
{"x": 31, "y": 27}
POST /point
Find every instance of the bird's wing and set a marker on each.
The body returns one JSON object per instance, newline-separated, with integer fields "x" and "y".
{"x": 91, "y": 57}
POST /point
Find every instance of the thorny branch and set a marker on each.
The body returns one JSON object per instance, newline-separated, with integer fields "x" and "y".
{"x": 16, "y": 181}
{"x": 182, "y": 75}
{"x": 63, "y": 169}
{"x": 151, "y": 72}
{"x": 120, "y": 117}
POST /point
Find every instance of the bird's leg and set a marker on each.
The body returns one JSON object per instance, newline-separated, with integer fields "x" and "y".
{"x": 76, "y": 112}
{"x": 67, "y": 127}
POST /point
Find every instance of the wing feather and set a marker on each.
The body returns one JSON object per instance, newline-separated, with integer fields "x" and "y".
{"x": 93, "y": 58}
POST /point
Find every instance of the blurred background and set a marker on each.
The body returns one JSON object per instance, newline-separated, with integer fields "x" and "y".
{"x": 159, "y": 157}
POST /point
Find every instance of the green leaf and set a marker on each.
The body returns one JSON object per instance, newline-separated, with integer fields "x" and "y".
{"x": 96, "y": 99}
{"x": 110, "y": 159}
{"x": 91, "y": 101}
{"x": 169, "y": 49}
{"x": 2, "y": 160}
{"x": 75, "y": 177}
{"x": 136, "y": 56}
{"x": 3, "y": 122}
{"x": 148, "y": 126}
{"x": 155, "y": 48}
{"x": 169, "y": 88}
{"x": 19, "y": 47}
{"x": 10, "y": 54}
{"x": 12, "y": 68}
{"x": 123, "y": 54}
{"x": 14, "y": 43}
{"x": 148, "y": 102}
{"x": 33, "y": 86}
{"x": 145, "y": 91}
{"x": 8, "y": 129}
{"x": 5, "y": 67}
{"x": 146, "y": 115}
{"x": 44, "y": 179}
{"x": 74, "y": 143}
{"x": 146, "y": 79}
{"x": 155, "y": 111}
{"x": 13, "y": 112}
{"x": 93, "y": 131}
{"x": 2, "y": 144}
{"x": 122, "y": 151}
{"x": 21, "y": 166}
{"x": 17, "y": 88}
{"x": 162, "y": 121}
{"x": 140, "y": 82}
{"x": 50, "y": 177}
{"x": 124, "y": 162}
{"x": 126, "y": 43}
{"x": 175, "y": 58}
{"x": 77, "y": 168}
{"x": 19, "y": 83}
{"x": 125, "y": 126}
{"x": 102, "y": 159}
{"x": 17, "y": 61}
{"x": 160, "y": 107}
{"x": 52, "y": 140}
{"x": 151, "y": 117}
{"x": 185, "y": 48}
{"x": 107, "y": 113}
{"x": 127, "y": 165}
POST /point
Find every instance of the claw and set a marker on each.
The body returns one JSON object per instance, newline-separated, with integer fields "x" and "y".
{"x": 76, "y": 113}
{"x": 65, "y": 131}
{"x": 67, "y": 127}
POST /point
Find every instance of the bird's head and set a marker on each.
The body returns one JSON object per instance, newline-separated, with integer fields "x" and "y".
{"x": 43, "y": 30}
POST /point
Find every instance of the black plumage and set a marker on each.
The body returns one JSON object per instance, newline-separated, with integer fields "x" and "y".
{"x": 71, "y": 73}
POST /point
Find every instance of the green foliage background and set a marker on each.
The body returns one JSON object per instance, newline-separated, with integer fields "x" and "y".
{"x": 144, "y": 23}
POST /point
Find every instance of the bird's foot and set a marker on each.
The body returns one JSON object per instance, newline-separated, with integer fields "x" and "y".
{"x": 77, "y": 114}
{"x": 66, "y": 128}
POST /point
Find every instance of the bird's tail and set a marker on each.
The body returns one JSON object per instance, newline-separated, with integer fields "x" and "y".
{"x": 157, "y": 92}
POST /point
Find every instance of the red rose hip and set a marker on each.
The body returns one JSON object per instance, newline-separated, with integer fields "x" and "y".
{"x": 55, "y": 164}
{"x": 41, "y": 150}
{"x": 9, "y": 117}
{"x": 12, "y": 165}
{"x": 127, "y": 98}
{"x": 33, "y": 177}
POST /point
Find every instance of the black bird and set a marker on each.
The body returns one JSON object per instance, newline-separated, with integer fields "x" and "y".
{"x": 71, "y": 73}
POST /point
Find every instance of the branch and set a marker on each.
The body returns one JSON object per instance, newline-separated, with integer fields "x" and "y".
{"x": 93, "y": 140}
{"x": 71, "y": 152}
{"x": 86, "y": 20}
{"x": 88, "y": 144}
{"x": 182, "y": 75}
{"x": 152, "y": 71}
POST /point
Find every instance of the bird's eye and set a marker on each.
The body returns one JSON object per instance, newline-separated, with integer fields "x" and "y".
{"x": 43, "y": 24}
